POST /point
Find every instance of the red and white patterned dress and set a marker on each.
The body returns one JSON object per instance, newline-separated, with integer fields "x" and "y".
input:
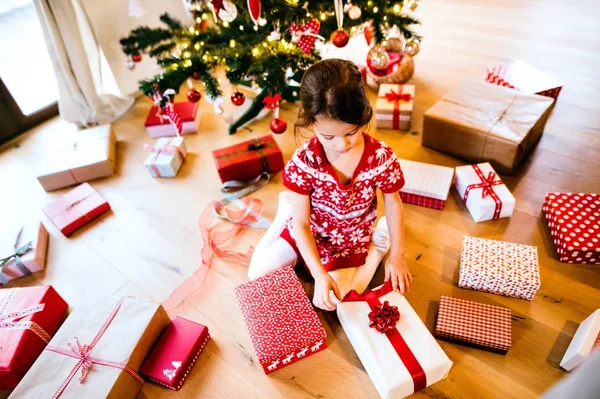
{"x": 342, "y": 216}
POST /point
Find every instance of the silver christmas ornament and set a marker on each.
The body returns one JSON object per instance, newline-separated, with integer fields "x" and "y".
{"x": 412, "y": 47}
{"x": 378, "y": 57}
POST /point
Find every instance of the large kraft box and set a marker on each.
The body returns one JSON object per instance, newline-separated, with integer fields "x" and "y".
{"x": 123, "y": 330}
{"x": 479, "y": 122}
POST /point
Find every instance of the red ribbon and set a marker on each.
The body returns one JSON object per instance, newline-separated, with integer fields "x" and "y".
{"x": 394, "y": 97}
{"x": 406, "y": 356}
{"x": 487, "y": 189}
{"x": 272, "y": 102}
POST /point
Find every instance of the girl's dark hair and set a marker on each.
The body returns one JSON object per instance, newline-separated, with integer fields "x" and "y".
{"x": 333, "y": 88}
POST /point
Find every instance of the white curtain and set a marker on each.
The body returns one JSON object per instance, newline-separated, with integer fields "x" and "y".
{"x": 76, "y": 58}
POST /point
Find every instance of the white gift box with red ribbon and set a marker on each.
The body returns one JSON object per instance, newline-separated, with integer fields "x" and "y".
{"x": 484, "y": 193}
{"x": 585, "y": 340}
{"x": 166, "y": 157}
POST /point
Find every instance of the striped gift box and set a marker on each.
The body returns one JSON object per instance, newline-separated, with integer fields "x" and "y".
{"x": 425, "y": 184}
{"x": 524, "y": 77}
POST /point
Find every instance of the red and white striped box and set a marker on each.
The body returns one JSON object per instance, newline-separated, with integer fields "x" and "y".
{"x": 160, "y": 127}
{"x": 499, "y": 267}
{"x": 282, "y": 323}
{"x": 585, "y": 340}
{"x": 474, "y": 323}
{"x": 574, "y": 223}
{"x": 425, "y": 184}
{"x": 524, "y": 77}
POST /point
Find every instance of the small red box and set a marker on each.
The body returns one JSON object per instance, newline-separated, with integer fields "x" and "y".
{"x": 246, "y": 160}
{"x": 28, "y": 319}
{"x": 174, "y": 355}
{"x": 76, "y": 208}
{"x": 282, "y": 323}
{"x": 190, "y": 119}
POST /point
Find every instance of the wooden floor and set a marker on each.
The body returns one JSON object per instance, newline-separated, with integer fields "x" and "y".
{"x": 150, "y": 243}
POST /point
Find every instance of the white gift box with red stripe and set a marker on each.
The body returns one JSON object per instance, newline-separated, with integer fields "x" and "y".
{"x": 525, "y": 78}
{"x": 158, "y": 125}
{"x": 166, "y": 157}
{"x": 403, "y": 359}
{"x": 425, "y": 184}
{"x": 585, "y": 340}
{"x": 484, "y": 193}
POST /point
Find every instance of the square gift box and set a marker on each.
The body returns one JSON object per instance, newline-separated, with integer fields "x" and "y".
{"x": 499, "y": 267}
{"x": 25, "y": 253}
{"x": 574, "y": 223}
{"x": 585, "y": 340}
{"x": 281, "y": 321}
{"x": 479, "y": 122}
{"x": 156, "y": 126}
{"x": 29, "y": 317}
{"x": 91, "y": 155}
{"x": 175, "y": 353}
{"x": 166, "y": 157}
{"x": 474, "y": 323}
{"x": 524, "y": 77}
{"x": 394, "y": 106}
{"x": 76, "y": 208}
{"x": 395, "y": 347}
{"x": 485, "y": 195}
{"x": 425, "y": 184}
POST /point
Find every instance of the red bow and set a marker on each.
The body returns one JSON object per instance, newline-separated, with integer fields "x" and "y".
{"x": 383, "y": 318}
{"x": 393, "y": 96}
{"x": 487, "y": 188}
{"x": 487, "y": 184}
{"x": 272, "y": 102}
{"x": 83, "y": 354}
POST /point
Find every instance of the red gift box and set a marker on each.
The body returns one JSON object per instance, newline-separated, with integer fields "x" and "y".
{"x": 76, "y": 208}
{"x": 574, "y": 222}
{"x": 28, "y": 319}
{"x": 175, "y": 353}
{"x": 247, "y": 160}
{"x": 160, "y": 127}
{"x": 282, "y": 323}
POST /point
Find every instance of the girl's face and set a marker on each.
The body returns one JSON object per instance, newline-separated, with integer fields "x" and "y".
{"x": 337, "y": 136}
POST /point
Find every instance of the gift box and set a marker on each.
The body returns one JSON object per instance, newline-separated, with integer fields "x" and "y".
{"x": 479, "y": 122}
{"x": 525, "y": 78}
{"x": 25, "y": 254}
{"x": 166, "y": 157}
{"x": 158, "y": 126}
{"x": 473, "y": 323}
{"x": 247, "y": 160}
{"x": 483, "y": 192}
{"x": 585, "y": 340}
{"x": 76, "y": 208}
{"x": 574, "y": 223}
{"x": 499, "y": 267}
{"x": 91, "y": 155}
{"x": 396, "y": 349}
{"x": 394, "y": 106}
{"x": 425, "y": 184}
{"x": 28, "y": 319}
{"x": 282, "y": 323}
{"x": 175, "y": 353}
{"x": 97, "y": 352}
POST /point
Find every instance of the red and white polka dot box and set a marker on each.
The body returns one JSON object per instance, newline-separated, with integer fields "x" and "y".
{"x": 499, "y": 267}
{"x": 282, "y": 323}
{"x": 574, "y": 222}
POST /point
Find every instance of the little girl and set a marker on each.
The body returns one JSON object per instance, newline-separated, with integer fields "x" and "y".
{"x": 328, "y": 218}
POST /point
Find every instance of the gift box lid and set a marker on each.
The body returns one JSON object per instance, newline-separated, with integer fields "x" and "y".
{"x": 186, "y": 110}
{"x": 425, "y": 179}
{"x": 31, "y": 241}
{"x": 278, "y": 315}
{"x": 522, "y": 76}
{"x": 474, "y": 322}
{"x": 387, "y": 94}
{"x": 175, "y": 353}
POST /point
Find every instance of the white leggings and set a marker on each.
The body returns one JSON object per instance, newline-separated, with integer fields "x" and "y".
{"x": 273, "y": 252}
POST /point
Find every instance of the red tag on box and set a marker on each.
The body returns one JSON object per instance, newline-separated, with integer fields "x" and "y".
{"x": 246, "y": 160}
{"x": 282, "y": 323}
{"x": 28, "y": 319}
{"x": 175, "y": 353}
{"x": 159, "y": 127}
{"x": 76, "y": 208}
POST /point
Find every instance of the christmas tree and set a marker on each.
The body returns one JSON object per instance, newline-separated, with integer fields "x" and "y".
{"x": 268, "y": 52}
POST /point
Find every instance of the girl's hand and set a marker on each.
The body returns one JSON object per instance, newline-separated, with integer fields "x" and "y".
{"x": 323, "y": 285}
{"x": 396, "y": 269}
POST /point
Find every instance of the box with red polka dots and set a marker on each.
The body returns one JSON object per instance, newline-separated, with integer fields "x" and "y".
{"x": 574, "y": 223}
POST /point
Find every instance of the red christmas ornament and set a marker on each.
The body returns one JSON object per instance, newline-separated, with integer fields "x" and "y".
{"x": 254, "y": 8}
{"x": 340, "y": 38}
{"x": 196, "y": 75}
{"x": 137, "y": 57}
{"x": 238, "y": 98}
{"x": 278, "y": 125}
{"x": 368, "y": 32}
{"x": 193, "y": 95}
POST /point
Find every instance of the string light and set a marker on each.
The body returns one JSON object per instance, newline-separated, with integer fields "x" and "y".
{"x": 205, "y": 57}
{"x": 397, "y": 8}
{"x": 185, "y": 45}
{"x": 187, "y": 63}
{"x": 264, "y": 44}
{"x": 241, "y": 27}
{"x": 204, "y": 16}
{"x": 186, "y": 54}
{"x": 375, "y": 9}
{"x": 385, "y": 18}
{"x": 197, "y": 33}
{"x": 232, "y": 43}
{"x": 197, "y": 46}
{"x": 323, "y": 16}
{"x": 369, "y": 3}
{"x": 255, "y": 51}
{"x": 219, "y": 80}
{"x": 226, "y": 24}
{"x": 191, "y": 29}
{"x": 174, "y": 67}
{"x": 202, "y": 43}
{"x": 198, "y": 20}
{"x": 256, "y": 28}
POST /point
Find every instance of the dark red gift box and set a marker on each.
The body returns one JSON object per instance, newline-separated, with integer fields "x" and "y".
{"x": 247, "y": 160}
{"x": 175, "y": 353}
{"x": 28, "y": 319}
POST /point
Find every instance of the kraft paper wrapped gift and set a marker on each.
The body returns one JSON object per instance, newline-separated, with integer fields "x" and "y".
{"x": 395, "y": 347}
{"x": 91, "y": 155}
{"x": 24, "y": 253}
{"x": 525, "y": 78}
{"x": 394, "y": 106}
{"x": 160, "y": 127}
{"x": 114, "y": 336}
{"x": 166, "y": 157}
{"x": 426, "y": 184}
{"x": 480, "y": 122}
{"x": 585, "y": 340}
